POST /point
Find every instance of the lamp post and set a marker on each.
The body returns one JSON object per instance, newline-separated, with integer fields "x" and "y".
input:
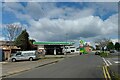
{"x": 66, "y": 44}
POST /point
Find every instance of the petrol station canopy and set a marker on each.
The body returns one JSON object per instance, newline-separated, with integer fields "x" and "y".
{"x": 53, "y": 43}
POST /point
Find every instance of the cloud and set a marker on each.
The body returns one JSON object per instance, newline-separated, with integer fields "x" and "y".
{"x": 1, "y": 36}
{"x": 111, "y": 24}
{"x": 104, "y": 9}
{"x": 51, "y": 23}
{"x": 115, "y": 40}
{"x": 50, "y": 10}
{"x": 36, "y": 10}
{"x": 60, "y": 0}
{"x": 10, "y": 6}
{"x": 17, "y": 9}
{"x": 87, "y": 27}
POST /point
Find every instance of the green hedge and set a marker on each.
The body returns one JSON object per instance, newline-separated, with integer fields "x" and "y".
{"x": 103, "y": 54}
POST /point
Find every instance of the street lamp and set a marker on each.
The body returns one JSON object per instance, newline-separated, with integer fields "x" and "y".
{"x": 66, "y": 44}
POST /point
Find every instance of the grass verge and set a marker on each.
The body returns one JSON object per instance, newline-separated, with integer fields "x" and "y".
{"x": 104, "y": 54}
{"x": 114, "y": 76}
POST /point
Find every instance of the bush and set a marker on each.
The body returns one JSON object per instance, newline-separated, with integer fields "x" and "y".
{"x": 103, "y": 54}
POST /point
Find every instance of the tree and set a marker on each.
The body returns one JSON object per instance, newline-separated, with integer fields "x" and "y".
{"x": 11, "y": 31}
{"x": 22, "y": 40}
{"x": 32, "y": 46}
{"x": 110, "y": 46}
{"x": 97, "y": 47}
{"x": 32, "y": 40}
{"x": 102, "y": 43}
{"x": 117, "y": 46}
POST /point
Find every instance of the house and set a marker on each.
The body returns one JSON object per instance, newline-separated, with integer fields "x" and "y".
{"x": 7, "y": 47}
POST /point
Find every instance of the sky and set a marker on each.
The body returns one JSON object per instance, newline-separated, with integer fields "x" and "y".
{"x": 61, "y": 21}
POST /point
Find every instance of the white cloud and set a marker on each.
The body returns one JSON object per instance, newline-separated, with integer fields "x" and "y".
{"x": 87, "y": 27}
{"x": 36, "y": 11}
{"x": 111, "y": 25}
{"x": 114, "y": 40}
{"x": 104, "y": 8}
{"x": 76, "y": 22}
{"x": 9, "y": 6}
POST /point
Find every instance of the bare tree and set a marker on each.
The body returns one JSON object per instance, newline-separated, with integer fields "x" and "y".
{"x": 11, "y": 31}
{"x": 102, "y": 42}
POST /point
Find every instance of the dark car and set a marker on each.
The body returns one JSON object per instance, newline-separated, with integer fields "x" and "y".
{"x": 113, "y": 51}
{"x": 97, "y": 53}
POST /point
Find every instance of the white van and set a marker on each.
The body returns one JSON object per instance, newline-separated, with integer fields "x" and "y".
{"x": 24, "y": 55}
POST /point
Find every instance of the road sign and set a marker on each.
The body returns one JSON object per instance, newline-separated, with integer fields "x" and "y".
{"x": 82, "y": 41}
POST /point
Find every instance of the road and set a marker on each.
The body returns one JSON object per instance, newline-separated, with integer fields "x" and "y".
{"x": 114, "y": 62}
{"x": 16, "y": 67}
{"x": 81, "y": 66}
{"x": 10, "y": 68}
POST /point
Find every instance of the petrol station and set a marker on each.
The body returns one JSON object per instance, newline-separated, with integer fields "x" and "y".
{"x": 52, "y": 48}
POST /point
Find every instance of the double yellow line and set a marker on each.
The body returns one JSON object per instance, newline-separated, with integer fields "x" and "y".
{"x": 106, "y": 73}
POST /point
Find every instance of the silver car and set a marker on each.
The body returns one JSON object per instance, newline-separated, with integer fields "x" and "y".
{"x": 24, "y": 55}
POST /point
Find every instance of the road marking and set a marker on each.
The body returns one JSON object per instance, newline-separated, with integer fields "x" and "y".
{"x": 104, "y": 73}
{"x": 105, "y": 62}
{"x": 3, "y": 62}
{"x": 107, "y": 73}
{"x": 109, "y": 62}
{"x": 117, "y": 61}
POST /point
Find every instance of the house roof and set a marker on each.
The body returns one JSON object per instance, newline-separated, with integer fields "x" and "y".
{"x": 5, "y": 43}
{"x": 8, "y": 47}
{"x": 53, "y": 43}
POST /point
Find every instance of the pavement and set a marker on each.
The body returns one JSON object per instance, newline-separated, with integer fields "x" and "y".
{"x": 10, "y": 68}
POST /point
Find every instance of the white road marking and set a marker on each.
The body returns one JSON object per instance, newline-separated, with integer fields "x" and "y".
{"x": 105, "y": 62}
{"x": 109, "y": 62}
{"x": 117, "y": 61}
{"x": 3, "y": 62}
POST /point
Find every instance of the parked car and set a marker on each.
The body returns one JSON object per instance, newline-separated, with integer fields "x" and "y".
{"x": 24, "y": 55}
{"x": 113, "y": 51}
{"x": 97, "y": 53}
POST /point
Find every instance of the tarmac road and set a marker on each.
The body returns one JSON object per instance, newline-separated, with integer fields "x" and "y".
{"x": 81, "y": 66}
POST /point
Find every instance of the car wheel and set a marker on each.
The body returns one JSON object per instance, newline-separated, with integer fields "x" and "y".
{"x": 80, "y": 53}
{"x": 31, "y": 59}
{"x": 95, "y": 53}
{"x": 13, "y": 60}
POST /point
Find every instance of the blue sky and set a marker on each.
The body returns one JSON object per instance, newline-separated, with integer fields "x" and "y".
{"x": 52, "y": 20}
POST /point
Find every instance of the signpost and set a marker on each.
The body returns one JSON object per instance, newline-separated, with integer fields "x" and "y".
{"x": 82, "y": 49}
